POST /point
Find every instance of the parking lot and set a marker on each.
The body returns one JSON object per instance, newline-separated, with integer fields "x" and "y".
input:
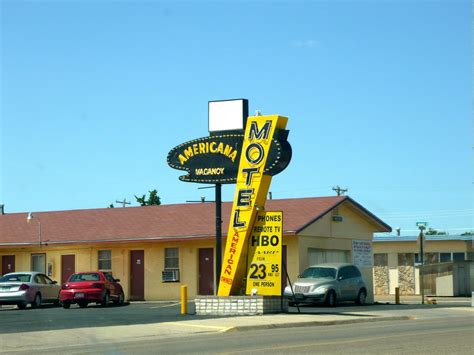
{"x": 49, "y": 317}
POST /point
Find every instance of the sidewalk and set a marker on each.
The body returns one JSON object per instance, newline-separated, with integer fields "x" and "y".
{"x": 416, "y": 299}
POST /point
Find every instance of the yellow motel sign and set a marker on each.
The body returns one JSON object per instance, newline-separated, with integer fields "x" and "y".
{"x": 253, "y": 183}
{"x": 264, "y": 271}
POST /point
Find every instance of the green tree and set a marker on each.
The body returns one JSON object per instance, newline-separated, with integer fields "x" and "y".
{"x": 468, "y": 233}
{"x": 432, "y": 231}
{"x": 152, "y": 200}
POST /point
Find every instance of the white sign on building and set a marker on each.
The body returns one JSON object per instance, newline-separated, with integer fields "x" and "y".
{"x": 362, "y": 253}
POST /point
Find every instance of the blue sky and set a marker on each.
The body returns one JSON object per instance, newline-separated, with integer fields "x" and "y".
{"x": 378, "y": 93}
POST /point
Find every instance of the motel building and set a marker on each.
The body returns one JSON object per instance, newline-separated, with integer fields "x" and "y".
{"x": 154, "y": 250}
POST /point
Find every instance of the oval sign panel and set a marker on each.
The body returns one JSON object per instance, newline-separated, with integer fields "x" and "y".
{"x": 215, "y": 159}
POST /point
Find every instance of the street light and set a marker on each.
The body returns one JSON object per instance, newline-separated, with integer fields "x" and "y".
{"x": 29, "y": 219}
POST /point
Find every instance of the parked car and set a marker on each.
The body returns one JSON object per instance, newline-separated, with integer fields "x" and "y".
{"x": 23, "y": 288}
{"x": 89, "y": 287}
{"x": 328, "y": 283}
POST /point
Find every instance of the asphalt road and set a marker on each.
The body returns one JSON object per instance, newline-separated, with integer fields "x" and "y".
{"x": 445, "y": 335}
{"x": 48, "y": 317}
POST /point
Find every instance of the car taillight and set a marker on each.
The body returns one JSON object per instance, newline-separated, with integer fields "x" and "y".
{"x": 101, "y": 286}
{"x": 24, "y": 287}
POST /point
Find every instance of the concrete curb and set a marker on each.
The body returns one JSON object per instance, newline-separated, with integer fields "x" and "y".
{"x": 313, "y": 323}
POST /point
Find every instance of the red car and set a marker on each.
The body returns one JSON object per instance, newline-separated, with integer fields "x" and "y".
{"x": 88, "y": 287}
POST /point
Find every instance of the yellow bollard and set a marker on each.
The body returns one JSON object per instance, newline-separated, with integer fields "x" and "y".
{"x": 184, "y": 300}
{"x": 397, "y": 295}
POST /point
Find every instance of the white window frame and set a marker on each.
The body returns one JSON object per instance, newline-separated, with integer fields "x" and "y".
{"x": 104, "y": 259}
{"x": 42, "y": 268}
{"x": 171, "y": 265}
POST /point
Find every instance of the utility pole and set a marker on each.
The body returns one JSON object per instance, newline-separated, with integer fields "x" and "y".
{"x": 421, "y": 226}
{"x": 124, "y": 202}
{"x": 340, "y": 191}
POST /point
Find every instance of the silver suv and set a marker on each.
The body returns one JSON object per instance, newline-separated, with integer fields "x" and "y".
{"x": 328, "y": 283}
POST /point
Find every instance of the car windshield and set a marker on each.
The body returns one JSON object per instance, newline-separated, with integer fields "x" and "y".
{"x": 319, "y": 273}
{"x": 16, "y": 278}
{"x": 84, "y": 277}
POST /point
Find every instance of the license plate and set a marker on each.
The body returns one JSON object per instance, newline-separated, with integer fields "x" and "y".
{"x": 79, "y": 295}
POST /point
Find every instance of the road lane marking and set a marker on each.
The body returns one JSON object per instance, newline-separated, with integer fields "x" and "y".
{"x": 168, "y": 305}
{"x": 214, "y": 327}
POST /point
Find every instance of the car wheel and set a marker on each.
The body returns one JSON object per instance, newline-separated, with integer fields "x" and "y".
{"x": 37, "y": 301}
{"x": 361, "y": 297}
{"x": 105, "y": 300}
{"x": 21, "y": 305}
{"x": 331, "y": 299}
{"x": 82, "y": 304}
{"x": 66, "y": 305}
{"x": 121, "y": 299}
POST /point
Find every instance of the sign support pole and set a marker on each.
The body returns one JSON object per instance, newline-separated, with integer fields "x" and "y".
{"x": 291, "y": 286}
{"x": 218, "y": 234}
{"x": 421, "y": 238}
{"x": 421, "y": 266}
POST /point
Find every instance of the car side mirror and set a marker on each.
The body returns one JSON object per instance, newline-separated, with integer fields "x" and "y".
{"x": 54, "y": 282}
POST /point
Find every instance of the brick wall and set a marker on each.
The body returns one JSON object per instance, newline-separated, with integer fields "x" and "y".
{"x": 239, "y": 305}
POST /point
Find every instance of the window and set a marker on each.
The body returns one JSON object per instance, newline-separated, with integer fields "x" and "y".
{"x": 354, "y": 272}
{"x": 47, "y": 280}
{"x": 38, "y": 262}
{"x": 171, "y": 258}
{"x": 431, "y": 258}
{"x": 171, "y": 271}
{"x": 320, "y": 256}
{"x": 84, "y": 277}
{"x": 39, "y": 280}
{"x": 417, "y": 259}
{"x": 105, "y": 259}
{"x": 109, "y": 276}
{"x": 406, "y": 259}
{"x": 319, "y": 272}
{"x": 458, "y": 256}
{"x": 344, "y": 274}
{"x": 444, "y": 257}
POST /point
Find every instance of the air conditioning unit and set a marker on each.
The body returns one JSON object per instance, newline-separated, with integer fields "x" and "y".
{"x": 170, "y": 275}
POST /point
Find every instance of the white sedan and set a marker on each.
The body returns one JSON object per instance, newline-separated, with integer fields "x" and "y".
{"x": 23, "y": 288}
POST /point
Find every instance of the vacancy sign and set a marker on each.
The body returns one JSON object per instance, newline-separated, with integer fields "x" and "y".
{"x": 265, "y": 252}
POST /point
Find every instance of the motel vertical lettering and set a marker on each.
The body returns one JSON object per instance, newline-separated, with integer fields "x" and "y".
{"x": 251, "y": 190}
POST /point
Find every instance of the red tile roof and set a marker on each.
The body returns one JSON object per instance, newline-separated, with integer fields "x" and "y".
{"x": 165, "y": 222}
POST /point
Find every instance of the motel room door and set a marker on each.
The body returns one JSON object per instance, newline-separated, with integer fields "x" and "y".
{"x": 68, "y": 266}
{"x": 137, "y": 275}
{"x": 206, "y": 271}
{"x": 8, "y": 264}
